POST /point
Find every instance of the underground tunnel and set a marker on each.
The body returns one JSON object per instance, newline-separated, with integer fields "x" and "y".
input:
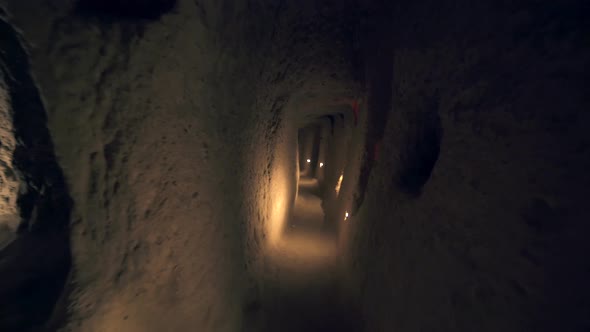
{"x": 315, "y": 165}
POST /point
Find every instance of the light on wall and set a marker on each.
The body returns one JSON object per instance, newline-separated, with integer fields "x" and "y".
{"x": 308, "y": 161}
{"x": 346, "y": 215}
{"x": 339, "y": 184}
{"x": 321, "y": 165}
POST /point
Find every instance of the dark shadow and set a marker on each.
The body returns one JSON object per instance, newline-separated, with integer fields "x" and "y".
{"x": 126, "y": 9}
{"x": 420, "y": 154}
{"x": 379, "y": 82}
{"x": 35, "y": 266}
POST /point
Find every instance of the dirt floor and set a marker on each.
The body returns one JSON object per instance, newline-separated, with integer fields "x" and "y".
{"x": 302, "y": 287}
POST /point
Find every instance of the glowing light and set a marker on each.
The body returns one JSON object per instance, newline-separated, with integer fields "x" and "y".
{"x": 309, "y": 160}
{"x": 321, "y": 165}
{"x": 346, "y": 215}
{"x": 278, "y": 204}
{"x": 339, "y": 183}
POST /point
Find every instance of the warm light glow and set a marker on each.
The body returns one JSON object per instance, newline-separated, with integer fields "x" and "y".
{"x": 321, "y": 165}
{"x": 345, "y": 215}
{"x": 339, "y": 183}
{"x": 309, "y": 160}
{"x": 278, "y": 204}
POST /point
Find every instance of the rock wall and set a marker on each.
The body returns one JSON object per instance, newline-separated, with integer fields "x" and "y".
{"x": 35, "y": 261}
{"x": 9, "y": 182}
{"x": 475, "y": 214}
{"x": 173, "y": 125}
{"x": 147, "y": 117}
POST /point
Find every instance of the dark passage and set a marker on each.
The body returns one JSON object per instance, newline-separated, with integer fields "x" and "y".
{"x": 294, "y": 165}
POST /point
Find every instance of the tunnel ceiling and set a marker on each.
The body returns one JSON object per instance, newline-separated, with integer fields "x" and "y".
{"x": 324, "y": 112}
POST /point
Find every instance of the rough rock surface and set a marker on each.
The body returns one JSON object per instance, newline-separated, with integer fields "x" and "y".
{"x": 167, "y": 129}
{"x": 9, "y": 183}
{"x": 477, "y": 206}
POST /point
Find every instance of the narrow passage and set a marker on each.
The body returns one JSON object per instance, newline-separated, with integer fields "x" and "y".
{"x": 303, "y": 288}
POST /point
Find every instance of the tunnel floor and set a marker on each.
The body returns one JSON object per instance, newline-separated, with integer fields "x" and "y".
{"x": 303, "y": 291}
